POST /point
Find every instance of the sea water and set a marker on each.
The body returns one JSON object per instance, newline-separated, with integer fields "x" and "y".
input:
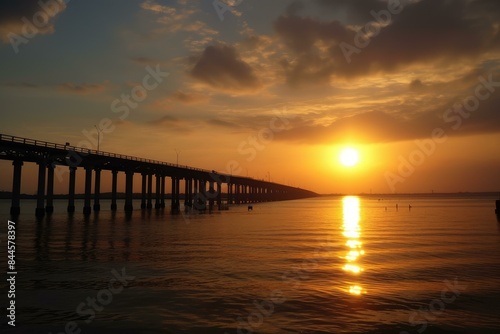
{"x": 340, "y": 264}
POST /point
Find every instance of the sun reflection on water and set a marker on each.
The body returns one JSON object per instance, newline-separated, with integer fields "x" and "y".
{"x": 352, "y": 232}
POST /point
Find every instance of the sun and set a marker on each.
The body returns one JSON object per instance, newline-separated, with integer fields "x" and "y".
{"x": 349, "y": 157}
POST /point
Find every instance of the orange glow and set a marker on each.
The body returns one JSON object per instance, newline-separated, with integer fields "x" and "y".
{"x": 349, "y": 157}
{"x": 353, "y": 268}
{"x": 356, "y": 290}
{"x": 352, "y": 232}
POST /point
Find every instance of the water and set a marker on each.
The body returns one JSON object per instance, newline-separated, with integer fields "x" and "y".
{"x": 326, "y": 265}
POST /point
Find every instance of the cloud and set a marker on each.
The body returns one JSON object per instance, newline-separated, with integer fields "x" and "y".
{"x": 295, "y": 8}
{"x": 16, "y": 16}
{"x": 224, "y": 124}
{"x": 378, "y": 126}
{"x": 357, "y": 11}
{"x": 426, "y": 33}
{"x": 220, "y": 67}
{"x": 174, "y": 19}
{"x": 172, "y": 123}
{"x": 416, "y": 85}
{"x": 189, "y": 98}
{"x": 82, "y": 89}
{"x": 171, "y": 20}
{"x": 157, "y": 8}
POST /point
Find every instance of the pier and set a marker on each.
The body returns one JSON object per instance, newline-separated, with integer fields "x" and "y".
{"x": 201, "y": 188}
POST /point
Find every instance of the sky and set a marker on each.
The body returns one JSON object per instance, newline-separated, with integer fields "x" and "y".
{"x": 272, "y": 90}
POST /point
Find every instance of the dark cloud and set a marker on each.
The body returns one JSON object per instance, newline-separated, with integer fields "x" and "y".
{"x": 13, "y": 12}
{"x": 377, "y": 126}
{"x": 220, "y": 67}
{"x": 189, "y": 98}
{"x": 222, "y": 123}
{"x": 425, "y": 32}
{"x": 295, "y": 8}
{"x": 82, "y": 89}
{"x": 167, "y": 119}
{"x": 416, "y": 85}
{"x": 172, "y": 123}
{"x": 358, "y": 11}
{"x": 301, "y": 33}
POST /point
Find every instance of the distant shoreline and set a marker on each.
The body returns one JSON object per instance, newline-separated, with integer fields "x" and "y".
{"x": 454, "y": 194}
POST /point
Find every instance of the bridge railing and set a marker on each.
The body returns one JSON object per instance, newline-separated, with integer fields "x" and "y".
{"x": 40, "y": 143}
{"x": 85, "y": 151}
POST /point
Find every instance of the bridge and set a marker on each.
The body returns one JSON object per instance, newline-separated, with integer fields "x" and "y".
{"x": 239, "y": 190}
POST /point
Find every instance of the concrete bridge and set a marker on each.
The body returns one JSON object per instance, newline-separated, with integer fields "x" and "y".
{"x": 239, "y": 190}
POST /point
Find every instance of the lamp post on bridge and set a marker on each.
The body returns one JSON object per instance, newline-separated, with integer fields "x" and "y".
{"x": 98, "y": 137}
{"x": 177, "y": 152}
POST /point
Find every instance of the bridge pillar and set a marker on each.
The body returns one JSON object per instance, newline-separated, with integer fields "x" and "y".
{"x": 49, "y": 208}
{"x": 158, "y": 186}
{"x": 219, "y": 195}
{"x": 186, "y": 193}
{"x": 229, "y": 193}
{"x": 150, "y": 191}
{"x": 201, "y": 199}
{"x": 195, "y": 187}
{"x": 40, "y": 198}
{"x": 211, "y": 195}
{"x": 15, "y": 207}
{"x": 173, "y": 202}
{"x": 162, "y": 201}
{"x": 190, "y": 193}
{"x": 143, "y": 190}
{"x": 114, "y": 183}
{"x": 71, "y": 190}
{"x": 129, "y": 184}
{"x": 97, "y": 190}
{"x": 235, "y": 193}
{"x": 178, "y": 194}
{"x": 88, "y": 190}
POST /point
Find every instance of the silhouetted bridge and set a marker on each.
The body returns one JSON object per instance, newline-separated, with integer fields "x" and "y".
{"x": 47, "y": 155}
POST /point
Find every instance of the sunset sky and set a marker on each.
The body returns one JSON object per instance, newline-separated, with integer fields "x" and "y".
{"x": 280, "y": 87}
